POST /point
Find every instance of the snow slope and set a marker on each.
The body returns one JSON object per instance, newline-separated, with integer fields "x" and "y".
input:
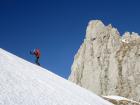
{"x": 120, "y": 98}
{"x": 23, "y": 83}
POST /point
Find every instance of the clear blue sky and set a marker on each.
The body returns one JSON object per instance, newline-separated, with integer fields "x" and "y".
{"x": 58, "y": 27}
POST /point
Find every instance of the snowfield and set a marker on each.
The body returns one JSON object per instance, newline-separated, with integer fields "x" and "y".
{"x": 120, "y": 98}
{"x": 24, "y": 83}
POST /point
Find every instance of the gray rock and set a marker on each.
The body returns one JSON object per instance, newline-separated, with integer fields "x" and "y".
{"x": 107, "y": 63}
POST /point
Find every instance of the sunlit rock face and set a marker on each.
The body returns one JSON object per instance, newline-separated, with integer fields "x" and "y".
{"x": 107, "y": 63}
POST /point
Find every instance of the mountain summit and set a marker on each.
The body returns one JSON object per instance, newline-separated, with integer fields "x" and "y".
{"x": 108, "y": 63}
{"x": 23, "y": 83}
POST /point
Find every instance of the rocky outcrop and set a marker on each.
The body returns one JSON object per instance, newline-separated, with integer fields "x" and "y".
{"x": 107, "y": 63}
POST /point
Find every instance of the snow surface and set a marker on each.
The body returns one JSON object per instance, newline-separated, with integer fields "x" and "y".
{"x": 124, "y": 40}
{"x": 119, "y": 98}
{"x": 116, "y": 97}
{"x": 24, "y": 83}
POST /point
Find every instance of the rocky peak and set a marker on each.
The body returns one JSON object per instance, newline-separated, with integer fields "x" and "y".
{"x": 107, "y": 63}
{"x": 131, "y": 37}
{"x": 93, "y": 27}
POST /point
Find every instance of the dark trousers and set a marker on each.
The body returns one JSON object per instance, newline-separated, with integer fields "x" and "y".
{"x": 37, "y": 61}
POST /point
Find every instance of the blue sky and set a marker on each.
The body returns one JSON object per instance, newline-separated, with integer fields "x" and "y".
{"x": 58, "y": 27}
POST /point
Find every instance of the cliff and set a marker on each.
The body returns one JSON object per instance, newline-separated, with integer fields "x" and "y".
{"x": 108, "y": 63}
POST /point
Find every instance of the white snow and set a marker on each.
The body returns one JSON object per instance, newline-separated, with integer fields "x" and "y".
{"x": 124, "y": 40}
{"x": 24, "y": 83}
{"x": 119, "y": 98}
{"x": 116, "y": 97}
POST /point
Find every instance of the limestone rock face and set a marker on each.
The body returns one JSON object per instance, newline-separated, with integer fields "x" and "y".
{"x": 107, "y": 63}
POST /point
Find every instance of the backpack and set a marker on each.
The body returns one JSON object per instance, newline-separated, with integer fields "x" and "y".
{"x": 37, "y": 52}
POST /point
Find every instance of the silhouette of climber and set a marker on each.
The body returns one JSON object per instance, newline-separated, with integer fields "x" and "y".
{"x": 36, "y": 53}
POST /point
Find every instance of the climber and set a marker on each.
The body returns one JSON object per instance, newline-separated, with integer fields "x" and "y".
{"x": 36, "y": 53}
